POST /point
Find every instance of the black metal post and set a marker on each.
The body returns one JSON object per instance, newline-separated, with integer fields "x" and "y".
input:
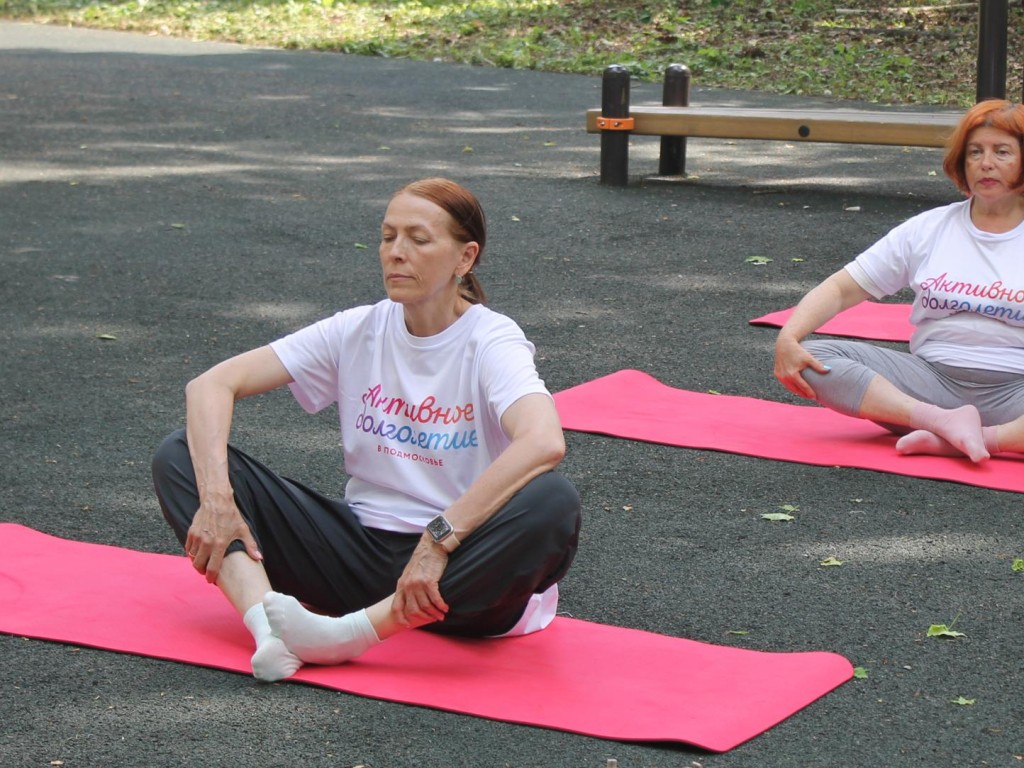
{"x": 993, "y": 20}
{"x": 615, "y": 144}
{"x": 675, "y": 93}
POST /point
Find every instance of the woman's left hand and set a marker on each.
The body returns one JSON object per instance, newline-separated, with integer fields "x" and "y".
{"x": 418, "y": 598}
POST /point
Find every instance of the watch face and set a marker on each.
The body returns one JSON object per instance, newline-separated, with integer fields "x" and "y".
{"x": 439, "y": 528}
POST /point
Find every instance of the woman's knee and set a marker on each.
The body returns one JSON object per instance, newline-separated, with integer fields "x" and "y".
{"x": 843, "y": 385}
{"x": 169, "y": 455}
{"x": 552, "y": 502}
{"x": 174, "y": 482}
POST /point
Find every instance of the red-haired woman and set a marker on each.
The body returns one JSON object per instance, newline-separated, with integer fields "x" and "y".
{"x": 453, "y": 518}
{"x": 959, "y": 391}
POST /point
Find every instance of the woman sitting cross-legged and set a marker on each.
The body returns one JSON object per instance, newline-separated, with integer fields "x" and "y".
{"x": 453, "y": 518}
{"x": 959, "y": 391}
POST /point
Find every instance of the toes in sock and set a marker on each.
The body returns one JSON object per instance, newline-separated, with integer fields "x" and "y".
{"x": 923, "y": 441}
{"x": 318, "y": 639}
{"x": 272, "y": 660}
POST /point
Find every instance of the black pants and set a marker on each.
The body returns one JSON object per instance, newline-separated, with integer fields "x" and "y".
{"x": 315, "y": 549}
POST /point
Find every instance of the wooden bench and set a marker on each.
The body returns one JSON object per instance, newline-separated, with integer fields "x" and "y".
{"x": 673, "y": 123}
{"x": 838, "y": 126}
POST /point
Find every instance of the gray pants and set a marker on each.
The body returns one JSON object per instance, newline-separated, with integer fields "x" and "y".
{"x": 997, "y": 395}
{"x": 315, "y": 549}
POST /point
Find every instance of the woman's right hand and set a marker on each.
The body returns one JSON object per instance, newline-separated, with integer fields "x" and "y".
{"x": 418, "y": 599}
{"x": 216, "y": 524}
{"x": 209, "y": 404}
{"x": 838, "y": 292}
{"x": 791, "y": 359}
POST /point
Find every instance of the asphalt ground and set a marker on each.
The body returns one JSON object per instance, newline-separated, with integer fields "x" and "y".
{"x": 196, "y": 200}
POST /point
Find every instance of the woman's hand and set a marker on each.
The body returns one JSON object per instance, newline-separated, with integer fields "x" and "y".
{"x": 209, "y": 403}
{"x": 216, "y": 524}
{"x": 418, "y": 598}
{"x": 836, "y": 293}
{"x": 791, "y": 359}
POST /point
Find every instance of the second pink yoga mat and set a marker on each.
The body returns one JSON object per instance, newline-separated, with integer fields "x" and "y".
{"x": 634, "y": 405}
{"x": 867, "y": 320}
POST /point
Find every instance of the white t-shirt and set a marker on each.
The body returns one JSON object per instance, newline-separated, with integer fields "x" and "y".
{"x": 968, "y": 287}
{"x": 420, "y": 416}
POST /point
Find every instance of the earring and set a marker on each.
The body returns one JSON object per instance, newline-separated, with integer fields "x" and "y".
{"x": 458, "y": 279}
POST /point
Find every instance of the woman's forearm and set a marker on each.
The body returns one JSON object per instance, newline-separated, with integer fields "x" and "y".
{"x": 823, "y": 302}
{"x": 209, "y": 408}
{"x": 537, "y": 446}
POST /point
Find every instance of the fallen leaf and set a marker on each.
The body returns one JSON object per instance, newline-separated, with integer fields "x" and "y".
{"x": 830, "y": 561}
{"x": 758, "y": 260}
{"x": 860, "y": 673}
{"x": 941, "y": 630}
{"x": 1018, "y": 564}
{"x": 777, "y": 517}
{"x": 106, "y": 337}
{"x": 361, "y": 246}
{"x": 467, "y": 149}
{"x": 738, "y": 632}
{"x": 962, "y": 701}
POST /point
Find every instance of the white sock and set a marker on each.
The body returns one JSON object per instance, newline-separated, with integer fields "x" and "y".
{"x": 318, "y": 639}
{"x": 272, "y": 660}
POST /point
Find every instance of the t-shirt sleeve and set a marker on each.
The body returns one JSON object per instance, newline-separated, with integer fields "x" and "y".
{"x": 311, "y": 355}
{"x": 887, "y": 266}
{"x": 507, "y": 369}
{"x": 860, "y": 277}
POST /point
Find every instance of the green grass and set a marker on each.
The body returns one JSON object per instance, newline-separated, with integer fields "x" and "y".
{"x": 862, "y": 49}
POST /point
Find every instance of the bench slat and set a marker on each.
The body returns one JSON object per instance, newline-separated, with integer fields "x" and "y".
{"x": 835, "y": 126}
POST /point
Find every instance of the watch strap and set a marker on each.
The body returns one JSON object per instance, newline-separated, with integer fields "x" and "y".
{"x": 449, "y": 543}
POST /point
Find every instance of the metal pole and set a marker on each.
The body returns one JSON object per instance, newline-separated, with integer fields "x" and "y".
{"x": 615, "y": 144}
{"x": 993, "y": 20}
{"x": 675, "y": 93}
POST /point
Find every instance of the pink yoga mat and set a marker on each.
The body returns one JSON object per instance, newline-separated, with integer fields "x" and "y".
{"x": 635, "y": 405}
{"x": 575, "y": 676}
{"x": 867, "y": 320}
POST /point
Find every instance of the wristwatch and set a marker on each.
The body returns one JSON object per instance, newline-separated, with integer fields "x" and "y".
{"x": 443, "y": 533}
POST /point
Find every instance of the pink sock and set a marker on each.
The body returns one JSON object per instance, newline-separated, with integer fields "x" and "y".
{"x": 960, "y": 427}
{"x": 991, "y": 439}
{"x": 923, "y": 441}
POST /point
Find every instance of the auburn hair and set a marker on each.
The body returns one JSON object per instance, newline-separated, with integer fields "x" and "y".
{"x": 990, "y": 113}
